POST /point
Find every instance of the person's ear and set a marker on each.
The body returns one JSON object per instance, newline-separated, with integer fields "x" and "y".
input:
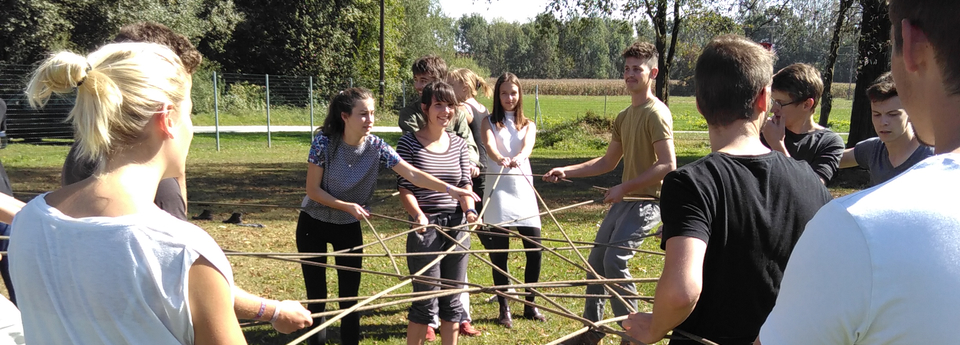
{"x": 424, "y": 108}
{"x": 808, "y": 103}
{"x": 914, "y": 40}
{"x": 762, "y": 103}
{"x": 654, "y": 71}
{"x": 344, "y": 116}
{"x": 165, "y": 117}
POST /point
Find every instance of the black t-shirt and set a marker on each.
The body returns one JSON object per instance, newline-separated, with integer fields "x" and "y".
{"x": 169, "y": 197}
{"x": 750, "y": 210}
{"x": 821, "y": 149}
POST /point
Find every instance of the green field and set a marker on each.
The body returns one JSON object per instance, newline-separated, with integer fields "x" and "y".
{"x": 248, "y": 172}
{"x": 553, "y": 110}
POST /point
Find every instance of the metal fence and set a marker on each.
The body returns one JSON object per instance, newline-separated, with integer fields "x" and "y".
{"x": 24, "y": 122}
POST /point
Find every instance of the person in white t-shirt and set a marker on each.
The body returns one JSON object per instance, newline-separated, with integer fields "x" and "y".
{"x": 97, "y": 261}
{"x": 880, "y": 266}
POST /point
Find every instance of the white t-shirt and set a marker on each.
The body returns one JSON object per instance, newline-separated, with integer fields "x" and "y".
{"x": 11, "y": 331}
{"x": 881, "y": 266}
{"x": 106, "y": 280}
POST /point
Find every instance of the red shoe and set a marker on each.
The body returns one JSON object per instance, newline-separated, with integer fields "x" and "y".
{"x": 467, "y": 329}
{"x": 431, "y": 334}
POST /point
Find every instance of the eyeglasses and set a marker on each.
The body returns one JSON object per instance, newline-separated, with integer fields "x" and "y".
{"x": 781, "y": 105}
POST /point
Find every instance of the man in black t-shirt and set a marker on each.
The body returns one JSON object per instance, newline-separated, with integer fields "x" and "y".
{"x": 729, "y": 220}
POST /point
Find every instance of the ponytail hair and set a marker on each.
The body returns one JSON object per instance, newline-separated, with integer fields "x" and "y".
{"x": 475, "y": 84}
{"x": 119, "y": 89}
{"x": 342, "y": 102}
{"x": 499, "y": 114}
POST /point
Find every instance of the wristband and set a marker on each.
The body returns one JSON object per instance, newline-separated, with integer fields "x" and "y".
{"x": 470, "y": 210}
{"x": 276, "y": 313}
{"x": 263, "y": 308}
{"x": 448, "y": 189}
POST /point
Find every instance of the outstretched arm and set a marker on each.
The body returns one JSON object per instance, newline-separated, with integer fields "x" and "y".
{"x": 424, "y": 180}
{"x": 666, "y": 162}
{"x": 593, "y": 167}
{"x": 291, "y": 316}
{"x": 849, "y": 159}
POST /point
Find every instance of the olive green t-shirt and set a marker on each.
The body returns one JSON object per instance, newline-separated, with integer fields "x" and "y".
{"x": 637, "y": 128}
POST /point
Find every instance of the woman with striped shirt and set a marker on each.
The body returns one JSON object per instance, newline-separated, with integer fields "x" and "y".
{"x": 343, "y": 165}
{"x": 444, "y": 156}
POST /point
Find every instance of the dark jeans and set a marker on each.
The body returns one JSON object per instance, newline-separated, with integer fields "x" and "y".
{"x": 452, "y": 266}
{"x": 312, "y": 237}
{"x": 532, "y": 272}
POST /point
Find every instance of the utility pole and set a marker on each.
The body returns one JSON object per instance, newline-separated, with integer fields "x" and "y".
{"x": 382, "y": 82}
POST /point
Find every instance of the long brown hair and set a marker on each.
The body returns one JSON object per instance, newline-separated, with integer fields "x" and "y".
{"x": 499, "y": 114}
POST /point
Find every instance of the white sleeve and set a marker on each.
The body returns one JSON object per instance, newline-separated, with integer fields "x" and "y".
{"x": 825, "y": 292}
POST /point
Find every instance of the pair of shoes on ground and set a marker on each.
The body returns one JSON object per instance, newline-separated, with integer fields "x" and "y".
{"x": 465, "y": 329}
{"x": 235, "y": 218}
{"x": 506, "y": 320}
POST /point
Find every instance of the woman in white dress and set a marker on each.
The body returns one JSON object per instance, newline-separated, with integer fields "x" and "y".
{"x": 509, "y": 138}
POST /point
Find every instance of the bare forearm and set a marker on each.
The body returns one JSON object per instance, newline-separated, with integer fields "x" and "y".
{"x": 9, "y": 206}
{"x": 321, "y": 196}
{"x": 410, "y": 203}
{"x": 593, "y": 167}
{"x": 247, "y": 306}
{"x": 650, "y": 177}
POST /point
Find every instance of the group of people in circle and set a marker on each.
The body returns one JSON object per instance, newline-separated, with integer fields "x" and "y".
{"x": 97, "y": 261}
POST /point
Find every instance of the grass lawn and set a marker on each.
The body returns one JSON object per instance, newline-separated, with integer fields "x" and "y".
{"x": 246, "y": 171}
{"x": 553, "y": 109}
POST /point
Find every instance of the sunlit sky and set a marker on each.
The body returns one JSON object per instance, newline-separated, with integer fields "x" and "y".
{"x": 509, "y": 10}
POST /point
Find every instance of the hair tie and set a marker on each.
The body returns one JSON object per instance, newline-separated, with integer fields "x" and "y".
{"x": 86, "y": 71}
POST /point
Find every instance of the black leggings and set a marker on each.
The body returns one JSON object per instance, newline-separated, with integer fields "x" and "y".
{"x": 312, "y": 237}
{"x": 532, "y": 273}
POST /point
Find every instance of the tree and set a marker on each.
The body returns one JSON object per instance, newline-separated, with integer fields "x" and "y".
{"x": 29, "y": 29}
{"x": 874, "y": 60}
{"x": 826, "y": 102}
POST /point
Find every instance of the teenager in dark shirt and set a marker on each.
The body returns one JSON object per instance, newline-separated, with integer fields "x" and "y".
{"x": 732, "y": 218}
{"x": 792, "y": 131}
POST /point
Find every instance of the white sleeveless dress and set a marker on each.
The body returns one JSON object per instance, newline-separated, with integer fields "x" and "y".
{"x": 513, "y": 198}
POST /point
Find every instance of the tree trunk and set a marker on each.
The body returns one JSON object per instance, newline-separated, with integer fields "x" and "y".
{"x": 874, "y": 60}
{"x": 826, "y": 102}
{"x": 658, "y": 16}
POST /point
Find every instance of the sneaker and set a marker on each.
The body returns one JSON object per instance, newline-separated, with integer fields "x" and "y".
{"x": 588, "y": 338}
{"x": 467, "y": 329}
{"x": 431, "y": 334}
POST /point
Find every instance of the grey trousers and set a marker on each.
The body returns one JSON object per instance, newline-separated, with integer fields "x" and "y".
{"x": 453, "y": 266}
{"x": 623, "y": 226}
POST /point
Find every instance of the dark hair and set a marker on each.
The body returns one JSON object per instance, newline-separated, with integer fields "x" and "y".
{"x": 731, "y": 72}
{"x": 432, "y": 65}
{"x": 498, "y": 114}
{"x": 442, "y": 92}
{"x": 343, "y": 102}
{"x": 882, "y": 89}
{"x": 800, "y": 81}
{"x": 150, "y": 32}
{"x": 643, "y": 51}
{"x": 938, "y": 20}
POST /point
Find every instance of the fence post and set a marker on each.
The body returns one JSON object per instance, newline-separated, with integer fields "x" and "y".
{"x": 351, "y": 81}
{"x": 403, "y": 86}
{"x": 536, "y": 107}
{"x": 267, "y": 78}
{"x": 311, "y": 103}
{"x": 216, "y": 110}
{"x": 604, "y": 104}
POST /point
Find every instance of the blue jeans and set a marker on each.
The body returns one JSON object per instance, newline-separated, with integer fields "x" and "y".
{"x": 623, "y": 226}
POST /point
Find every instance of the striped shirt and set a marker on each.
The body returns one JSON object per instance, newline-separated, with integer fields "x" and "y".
{"x": 452, "y": 167}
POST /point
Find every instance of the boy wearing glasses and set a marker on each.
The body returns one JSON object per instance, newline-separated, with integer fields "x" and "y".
{"x": 792, "y": 131}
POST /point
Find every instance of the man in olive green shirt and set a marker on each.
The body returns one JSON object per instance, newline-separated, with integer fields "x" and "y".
{"x": 643, "y": 137}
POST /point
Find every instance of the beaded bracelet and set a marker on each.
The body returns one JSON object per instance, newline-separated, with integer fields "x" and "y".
{"x": 263, "y": 308}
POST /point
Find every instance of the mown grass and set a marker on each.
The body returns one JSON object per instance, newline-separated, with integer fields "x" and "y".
{"x": 246, "y": 171}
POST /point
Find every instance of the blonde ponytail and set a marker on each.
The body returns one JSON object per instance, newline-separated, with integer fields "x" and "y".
{"x": 119, "y": 89}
